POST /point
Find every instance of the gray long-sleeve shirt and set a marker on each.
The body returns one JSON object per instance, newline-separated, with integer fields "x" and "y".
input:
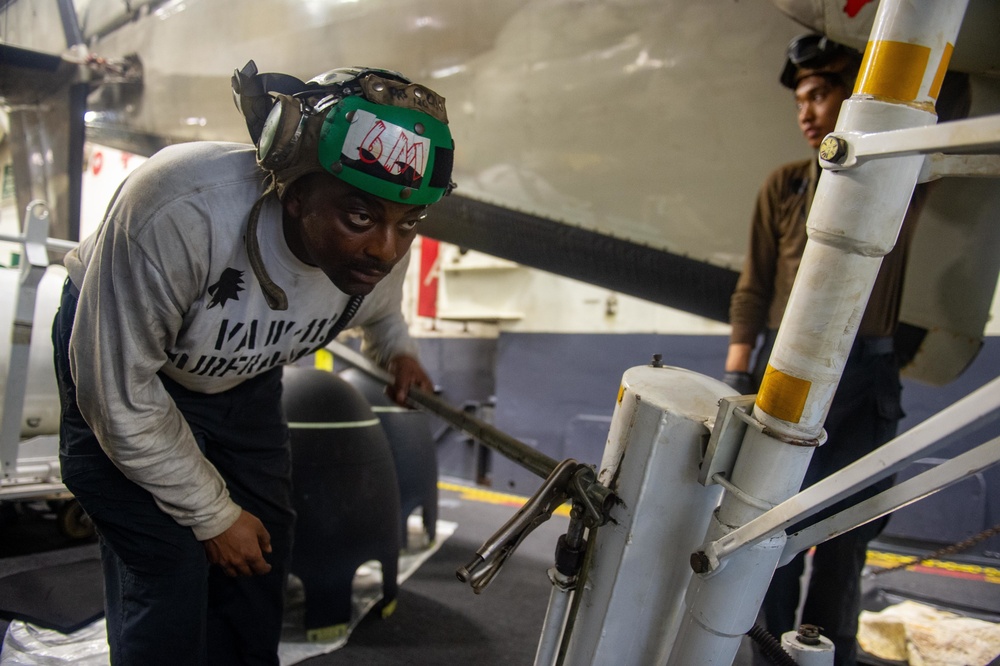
{"x": 166, "y": 286}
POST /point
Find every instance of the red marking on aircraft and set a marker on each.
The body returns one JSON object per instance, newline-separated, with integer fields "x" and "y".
{"x": 854, "y": 6}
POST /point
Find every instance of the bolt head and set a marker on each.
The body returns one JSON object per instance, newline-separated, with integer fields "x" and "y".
{"x": 699, "y": 563}
{"x": 833, "y": 149}
{"x": 808, "y": 634}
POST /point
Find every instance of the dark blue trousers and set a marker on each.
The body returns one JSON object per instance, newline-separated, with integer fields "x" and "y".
{"x": 164, "y": 603}
{"x": 864, "y": 415}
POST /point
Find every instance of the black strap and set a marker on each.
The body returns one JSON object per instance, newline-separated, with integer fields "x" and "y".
{"x": 273, "y": 294}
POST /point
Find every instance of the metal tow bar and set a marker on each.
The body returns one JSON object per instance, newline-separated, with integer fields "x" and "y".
{"x": 566, "y": 480}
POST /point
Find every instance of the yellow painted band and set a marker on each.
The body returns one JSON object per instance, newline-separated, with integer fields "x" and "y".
{"x": 893, "y": 70}
{"x": 941, "y": 71}
{"x": 783, "y": 396}
{"x": 621, "y": 392}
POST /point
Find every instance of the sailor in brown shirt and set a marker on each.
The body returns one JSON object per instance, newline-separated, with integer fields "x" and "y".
{"x": 866, "y": 408}
{"x": 777, "y": 240}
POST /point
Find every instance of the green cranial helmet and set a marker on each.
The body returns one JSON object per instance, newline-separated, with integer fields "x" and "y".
{"x": 371, "y": 128}
{"x": 394, "y": 152}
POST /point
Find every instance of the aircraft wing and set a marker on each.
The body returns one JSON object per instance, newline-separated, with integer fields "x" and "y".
{"x": 656, "y": 275}
{"x": 621, "y": 144}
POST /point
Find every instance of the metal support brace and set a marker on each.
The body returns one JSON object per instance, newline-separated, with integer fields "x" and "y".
{"x": 972, "y": 411}
{"x": 843, "y": 150}
{"x": 970, "y": 166}
{"x": 564, "y": 576}
{"x": 900, "y": 495}
{"x": 36, "y": 260}
{"x": 54, "y": 244}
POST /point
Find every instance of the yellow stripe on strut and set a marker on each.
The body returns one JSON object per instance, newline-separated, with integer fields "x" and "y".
{"x": 783, "y": 396}
{"x": 893, "y": 70}
{"x": 941, "y": 71}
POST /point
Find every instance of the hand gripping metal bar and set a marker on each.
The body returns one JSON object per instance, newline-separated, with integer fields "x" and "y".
{"x": 566, "y": 480}
{"x": 595, "y": 497}
{"x": 531, "y": 459}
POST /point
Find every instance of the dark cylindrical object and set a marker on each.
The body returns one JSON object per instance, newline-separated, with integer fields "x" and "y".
{"x": 413, "y": 449}
{"x": 345, "y": 493}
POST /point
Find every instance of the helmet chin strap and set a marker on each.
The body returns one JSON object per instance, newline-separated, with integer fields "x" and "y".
{"x": 273, "y": 294}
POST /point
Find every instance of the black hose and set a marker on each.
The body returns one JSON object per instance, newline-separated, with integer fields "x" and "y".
{"x": 770, "y": 646}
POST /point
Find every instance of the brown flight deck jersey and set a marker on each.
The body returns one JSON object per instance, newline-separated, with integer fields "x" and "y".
{"x": 777, "y": 240}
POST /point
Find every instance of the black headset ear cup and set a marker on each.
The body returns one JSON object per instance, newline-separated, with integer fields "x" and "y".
{"x": 279, "y": 139}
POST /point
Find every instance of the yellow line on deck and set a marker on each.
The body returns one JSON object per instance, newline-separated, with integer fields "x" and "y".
{"x": 885, "y": 560}
{"x": 493, "y": 497}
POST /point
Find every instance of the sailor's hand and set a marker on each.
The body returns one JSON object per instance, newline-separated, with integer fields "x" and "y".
{"x": 742, "y": 382}
{"x": 737, "y": 366}
{"x": 408, "y": 372}
{"x": 240, "y": 549}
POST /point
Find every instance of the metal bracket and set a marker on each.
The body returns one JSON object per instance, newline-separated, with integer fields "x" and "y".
{"x": 727, "y": 437}
{"x": 972, "y": 412}
{"x": 36, "y": 260}
{"x": 845, "y": 150}
{"x": 938, "y": 165}
{"x": 905, "y": 493}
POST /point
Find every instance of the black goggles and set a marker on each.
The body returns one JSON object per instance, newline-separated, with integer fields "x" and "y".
{"x": 808, "y": 52}
{"x": 811, "y": 50}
